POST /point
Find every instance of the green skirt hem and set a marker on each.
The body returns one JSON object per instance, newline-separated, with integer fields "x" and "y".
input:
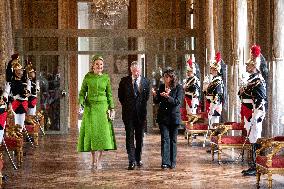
{"x": 96, "y": 150}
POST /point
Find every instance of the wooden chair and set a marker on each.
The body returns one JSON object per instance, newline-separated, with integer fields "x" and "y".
{"x": 1, "y": 167}
{"x": 13, "y": 138}
{"x": 273, "y": 162}
{"x": 195, "y": 125}
{"x": 183, "y": 114}
{"x": 40, "y": 119}
{"x": 32, "y": 126}
{"x": 14, "y": 141}
{"x": 221, "y": 140}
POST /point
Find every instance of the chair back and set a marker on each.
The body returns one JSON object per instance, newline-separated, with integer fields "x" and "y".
{"x": 203, "y": 115}
{"x": 279, "y": 138}
{"x": 183, "y": 113}
{"x": 238, "y": 127}
{"x": 10, "y": 119}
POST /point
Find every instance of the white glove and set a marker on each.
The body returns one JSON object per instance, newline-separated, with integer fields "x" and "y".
{"x": 194, "y": 102}
{"x": 206, "y": 82}
{"x": 29, "y": 86}
{"x": 37, "y": 86}
{"x": 7, "y": 89}
{"x": 212, "y": 108}
{"x": 81, "y": 109}
{"x": 111, "y": 114}
{"x": 257, "y": 115}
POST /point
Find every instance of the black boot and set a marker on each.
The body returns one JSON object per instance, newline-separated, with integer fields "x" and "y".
{"x": 5, "y": 178}
{"x": 215, "y": 150}
{"x": 252, "y": 170}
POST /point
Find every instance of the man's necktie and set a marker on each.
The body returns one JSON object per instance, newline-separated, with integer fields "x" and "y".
{"x": 135, "y": 87}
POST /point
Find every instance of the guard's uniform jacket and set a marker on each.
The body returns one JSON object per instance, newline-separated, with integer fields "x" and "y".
{"x": 3, "y": 110}
{"x": 192, "y": 88}
{"x": 253, "y": 99}
{"x": 33, "y": 95}
{"x": 214, "y": 96}
{"x": 3, "y": 113}
{"x": 20, "y": 90}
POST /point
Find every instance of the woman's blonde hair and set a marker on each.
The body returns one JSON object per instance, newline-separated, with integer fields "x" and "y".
{"x": 97, "y": 57}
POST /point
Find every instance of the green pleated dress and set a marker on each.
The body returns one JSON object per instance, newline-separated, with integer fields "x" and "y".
{"x": 96, "y": 131}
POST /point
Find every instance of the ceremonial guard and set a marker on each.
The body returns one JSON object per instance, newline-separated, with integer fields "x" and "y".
{"x": 20, "y": 88}
{"x": 214, "y": 92}
{"x": 9, "y": 69}
{"x": 3, "y": 115}
{"x": 192, "y": 89}
{"x": 3, "y": 109}
{"x": 32, "y": 99}
{"x": 253, "y": 99}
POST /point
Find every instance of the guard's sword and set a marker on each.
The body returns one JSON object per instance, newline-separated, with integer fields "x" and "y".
{"x": 41, "y": 128}
{"x": 28, "y": 136}
{"x": 208, "y": 129}
{"x": 243, "y": 146}
{"x": 9, "y": 155}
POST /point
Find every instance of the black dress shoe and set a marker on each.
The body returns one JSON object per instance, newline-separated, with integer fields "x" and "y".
{"x": 251, "y": 172}
{"x": 5, "y": 178}
{"x": 249, "y": 169}
{"x": 164, "y": 166}
{"x": 139, "y": 164}
{"x": 209, "y": 151}
{"x": 131, "y": 166}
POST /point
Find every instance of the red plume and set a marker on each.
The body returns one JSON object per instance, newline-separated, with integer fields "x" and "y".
{"x": 255, "y": 51}
{"x": 218, "y": 57}
{"x": 189, "y": 62}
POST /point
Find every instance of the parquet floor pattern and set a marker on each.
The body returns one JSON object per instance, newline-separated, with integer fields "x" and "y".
{"x": 56, "y": 164}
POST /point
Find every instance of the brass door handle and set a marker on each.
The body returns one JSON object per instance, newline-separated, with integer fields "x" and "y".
{"x": 63, "y": 93}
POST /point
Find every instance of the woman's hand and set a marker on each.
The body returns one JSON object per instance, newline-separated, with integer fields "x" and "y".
{"x": 154, "y": 92}
{"x": 81, "y": 109}
{"x": 111, "y": 114}
{"x": 166, "y": 94}
{"x": 168, "y": 90}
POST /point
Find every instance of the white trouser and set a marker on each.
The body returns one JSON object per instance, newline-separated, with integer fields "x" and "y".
{"x": 215, "y": 107}
{"x": 32, "y": 111}
{"x": 213, "y": 119}
{"x": 193, "y": 109}
{"x": 1, "y": 135}
{"x": 20, "y": 119}
{"x": 256, "y": 127}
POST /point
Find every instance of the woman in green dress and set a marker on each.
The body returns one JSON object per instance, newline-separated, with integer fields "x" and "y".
{"x": 96, "y": 131}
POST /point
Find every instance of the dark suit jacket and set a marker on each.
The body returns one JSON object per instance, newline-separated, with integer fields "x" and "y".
{"x": 169, "y": 108}
{"x": 131, "y": 105}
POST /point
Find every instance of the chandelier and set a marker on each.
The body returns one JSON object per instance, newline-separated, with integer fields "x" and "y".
{"x": 108, "y": 11}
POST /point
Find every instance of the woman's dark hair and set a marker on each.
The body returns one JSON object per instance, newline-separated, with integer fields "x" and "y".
{"x": 169, "y": 71}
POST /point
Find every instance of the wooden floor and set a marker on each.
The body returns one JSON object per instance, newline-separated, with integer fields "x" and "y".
{"x": 56, "y": 164}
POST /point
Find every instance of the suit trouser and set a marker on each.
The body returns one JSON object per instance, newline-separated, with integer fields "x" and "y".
{"x": 134, "y": 130}
{"x": 168, "y": 143}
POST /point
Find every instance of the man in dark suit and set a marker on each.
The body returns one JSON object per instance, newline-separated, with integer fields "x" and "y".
{"x": 133, "y": 94}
